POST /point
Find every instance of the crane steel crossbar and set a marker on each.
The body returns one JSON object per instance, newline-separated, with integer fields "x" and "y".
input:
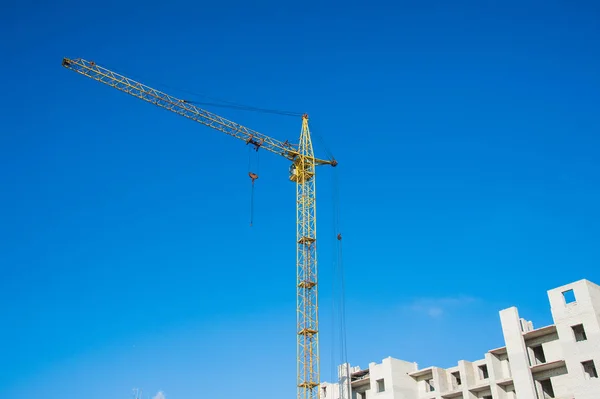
{"x": 302, "y": 172}
{"x": 186, "y": 109}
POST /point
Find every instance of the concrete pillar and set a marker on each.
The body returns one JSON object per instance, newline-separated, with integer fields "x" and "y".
{"x": 517, "y": 353}
{"x": 495, "y": 373}
{"x": 344, "y": 381}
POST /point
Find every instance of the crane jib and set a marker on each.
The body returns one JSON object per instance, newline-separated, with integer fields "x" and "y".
{"x": 187, "y": 109}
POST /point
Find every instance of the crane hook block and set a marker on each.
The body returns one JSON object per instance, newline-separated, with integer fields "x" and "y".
{"x": 253, "y": 176}
{"x": 255, "y": 143}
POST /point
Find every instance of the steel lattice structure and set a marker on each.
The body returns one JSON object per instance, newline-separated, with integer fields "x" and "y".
{"x": 302, "y": 172}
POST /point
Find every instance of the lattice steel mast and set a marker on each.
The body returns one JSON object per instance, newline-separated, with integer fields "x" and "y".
{"x": 302, "y": 173}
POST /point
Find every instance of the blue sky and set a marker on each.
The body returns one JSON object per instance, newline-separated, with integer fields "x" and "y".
{"x": 467, "y": 137}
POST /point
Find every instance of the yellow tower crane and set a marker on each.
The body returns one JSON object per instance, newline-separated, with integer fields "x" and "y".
{"x": 302, "y": 172}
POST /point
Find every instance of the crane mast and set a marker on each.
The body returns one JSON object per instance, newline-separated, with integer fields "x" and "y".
{"x": 302, "y": 173}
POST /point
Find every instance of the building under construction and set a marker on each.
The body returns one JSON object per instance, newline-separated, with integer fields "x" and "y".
{"x": 556, "y": 361}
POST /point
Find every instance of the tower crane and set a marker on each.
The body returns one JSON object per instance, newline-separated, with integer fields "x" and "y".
{"x": 302, "y": 173}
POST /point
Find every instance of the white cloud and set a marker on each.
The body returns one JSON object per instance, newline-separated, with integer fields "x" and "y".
{"x": 436, "y": 307}
{"x": 160, "y": 395}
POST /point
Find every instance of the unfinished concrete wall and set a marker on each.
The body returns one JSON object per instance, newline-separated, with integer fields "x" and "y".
{"x": 329, "y": 390}
{"x": 578, "y": 305}
{"x": 391, "y": 375}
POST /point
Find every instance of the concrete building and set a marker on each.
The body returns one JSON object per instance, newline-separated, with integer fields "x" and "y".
{"x": 559, "y": 361}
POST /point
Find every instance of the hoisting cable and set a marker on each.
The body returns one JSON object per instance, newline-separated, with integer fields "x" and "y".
{"x": 339, "y": 298}
{"x": 216, "y": 102}
{"x": 246, "y": 108}
{"x": 343, "y": 344}
{"x": 334, "y": 361}
{"x": 315, "y": 133}
{"x": 253, "y": 176}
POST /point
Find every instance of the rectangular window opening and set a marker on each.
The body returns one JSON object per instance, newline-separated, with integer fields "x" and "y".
{"x": 456, "y": 381}
{"x": 589, "y": 370}
{"x": 538, "y": 354}
{"x": 380, "y": 385}
{"x": 483, "y": 372}
{"x": 579, "y": 333}
{"x": 569, "y": 296}
{"x": 547, "y": 389}
{"x": 429, "y": 387}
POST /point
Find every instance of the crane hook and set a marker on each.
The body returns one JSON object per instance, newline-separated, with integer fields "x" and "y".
{"x": 253, "y": 176}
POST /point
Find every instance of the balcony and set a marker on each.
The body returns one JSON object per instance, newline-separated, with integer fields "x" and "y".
{"x": 360, "y": 378}
{"x": 538, "y": 368}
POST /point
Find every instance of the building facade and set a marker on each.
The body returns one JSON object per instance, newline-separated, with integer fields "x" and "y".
{"x": 559, "y": 361}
